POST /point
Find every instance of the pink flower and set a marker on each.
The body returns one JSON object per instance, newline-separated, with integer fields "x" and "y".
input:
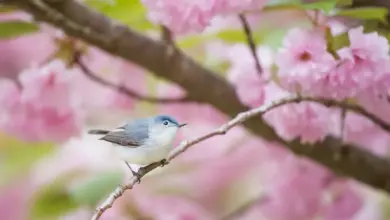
{"x": 302, "y": 59}
{"x": 45, "y": 108}
{"x": 194, "y": 15}
{"x": 51, "y": 84}
{"x": 14, "y": 200}
{"x": 9, "y": 94}
{"x": 376, "y": 102}
{"x": 172, "y": 207}
{"x": 306, "y": 120}
{"x": 293, "y": 188}
{"x": 362, "y": 64}
{"x": 345, "y": 201}
{"x": 248, "y": 82}
{"x": 363, "y": 132}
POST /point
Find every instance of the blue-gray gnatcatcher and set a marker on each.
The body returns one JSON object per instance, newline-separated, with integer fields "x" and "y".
{"x": 143, "y": 141}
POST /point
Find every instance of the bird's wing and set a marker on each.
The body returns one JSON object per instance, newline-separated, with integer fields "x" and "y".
{"x": 98, "y": 131}
{"x": 131, "y": 135}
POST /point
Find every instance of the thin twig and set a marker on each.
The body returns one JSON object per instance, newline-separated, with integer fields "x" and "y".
{"x": 251, "y": 42}
{"x": 77, "y": 60}
{"x": 343, "y": 116}
{"x": 240, "y": 118}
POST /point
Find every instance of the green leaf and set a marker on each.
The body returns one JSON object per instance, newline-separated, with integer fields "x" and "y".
{"x": 229, "y": 36}
{"x": 274, "y": 38}
{"x": 365, "y": 13}
{"x": 19, "y": 156}
{"x": 325, "y": 5}
{"x": 129, "y": 12}
{"x": 15, "y": 28}
{"x": 52, "y": 201}
{"x": 335, "y": 43}
{"x": 236, "y": 36}
{"x": 95, "y": 188}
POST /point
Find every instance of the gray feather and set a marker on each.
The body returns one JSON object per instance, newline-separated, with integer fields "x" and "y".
{"x": 98, "y": 131}
{"x": 133, "y": 134}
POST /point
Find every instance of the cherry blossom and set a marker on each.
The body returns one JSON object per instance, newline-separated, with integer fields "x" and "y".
{"x": 194, "y": 15}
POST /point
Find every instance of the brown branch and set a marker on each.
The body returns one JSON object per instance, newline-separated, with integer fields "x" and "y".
{"x": 201, "y": 84}
{"x": 122, "y": 89}
{"x": 222, "y": 130}
{"x": 251, "y": 42}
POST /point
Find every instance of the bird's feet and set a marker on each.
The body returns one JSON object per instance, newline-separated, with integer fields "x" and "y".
{"x": 164, "y": 162}
{"x": 137, "y": 175}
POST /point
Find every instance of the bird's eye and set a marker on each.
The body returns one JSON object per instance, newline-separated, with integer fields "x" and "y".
{"x": 165, "y": 123}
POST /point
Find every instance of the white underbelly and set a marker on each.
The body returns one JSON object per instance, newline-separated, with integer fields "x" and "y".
{"x": 141, "y": 155}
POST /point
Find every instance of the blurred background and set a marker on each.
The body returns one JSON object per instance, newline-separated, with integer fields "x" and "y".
{"x": 51, "y": 169}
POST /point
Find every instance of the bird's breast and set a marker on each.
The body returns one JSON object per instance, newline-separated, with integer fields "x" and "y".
{"x": 162, "y": 140}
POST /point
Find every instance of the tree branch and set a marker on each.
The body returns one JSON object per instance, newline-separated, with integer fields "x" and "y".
{"x": 77, "y": 60}
{"x": 251, "y": 42}
{"x": 345, "y": 153}
{"x": 201, "y": 84}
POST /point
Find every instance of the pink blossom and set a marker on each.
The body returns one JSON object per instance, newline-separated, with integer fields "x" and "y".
{"x": 363, "y": 132}
{"x": 306, "y": 120}
{"x": 362, "y": 64}
{"x": 302, "y": 59}
{"x": 44, "y": 109}
{"x": 294, "y": 188}
{"x": 13, "y": 201}
{"x": 51, "y": 84}
{"x": 248, "y": 82}
{"x": 345, "y": 201}
{"x": 249, "y": 86}
{"x": 194, "y": 15}
{"x": 375, "y": 98}
{"x": 172, "y": 207}
{"x": 9, "y": 94}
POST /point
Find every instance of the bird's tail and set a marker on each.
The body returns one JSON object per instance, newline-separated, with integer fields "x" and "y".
{"x": 97, "y": 131}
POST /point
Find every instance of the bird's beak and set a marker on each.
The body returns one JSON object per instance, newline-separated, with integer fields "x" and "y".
{"x": 182, "y": 125}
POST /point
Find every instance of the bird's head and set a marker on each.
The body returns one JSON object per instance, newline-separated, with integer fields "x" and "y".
{"x": 165, "y": 125}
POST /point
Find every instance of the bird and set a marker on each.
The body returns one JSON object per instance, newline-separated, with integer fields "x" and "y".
{"x": 142, "y": 141}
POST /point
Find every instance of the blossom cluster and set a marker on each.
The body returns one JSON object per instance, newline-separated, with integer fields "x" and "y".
{"x": 195, "y": 15}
